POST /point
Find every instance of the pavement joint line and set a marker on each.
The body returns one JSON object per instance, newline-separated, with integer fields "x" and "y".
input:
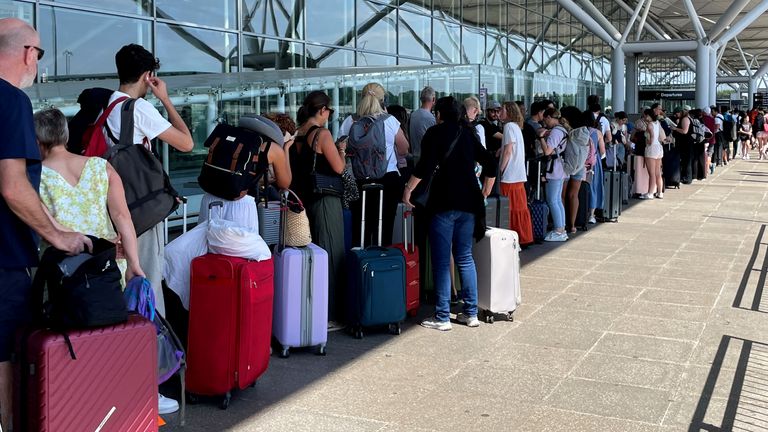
{"x": 602, "y": 381}
{"x": 596, "y": 416}
{"x": 649, "y": 336}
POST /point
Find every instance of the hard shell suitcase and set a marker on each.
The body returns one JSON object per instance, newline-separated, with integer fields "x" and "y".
{"x": 670, "y": 167}
{"x": 498, "y": 273}
{"x": 612, "y": 193}
{"x": 539, "y": 212}
{"x": 300, "y": 317}
{"x": 230, "y": 323}
{"x": 111, "y": 385}
{"x": 269, "y": 221}
{"x": 377, "y": 293}
{"x": 582, "y": 214}
{"x": 411, "y": 255}
{"x": 626, "y": 188}
{"x": 640, "y": 178}
{"x": 397, "y": 229}
{"x": 497, "y": 212}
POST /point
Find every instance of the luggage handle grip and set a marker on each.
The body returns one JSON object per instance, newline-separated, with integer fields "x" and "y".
{"x": 406, "y": 237}
{"x": 366, "y": 188}
{"x": 213, "y": 204}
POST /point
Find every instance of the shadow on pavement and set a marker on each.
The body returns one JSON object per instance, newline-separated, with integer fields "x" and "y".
{"x": 757, "y": 275}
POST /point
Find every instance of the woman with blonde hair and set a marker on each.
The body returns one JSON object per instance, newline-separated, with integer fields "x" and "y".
{"x": 371, "y": 105}
{"x": 512, "y": 173}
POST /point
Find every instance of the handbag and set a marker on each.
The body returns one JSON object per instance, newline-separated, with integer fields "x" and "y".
{"x": 351, "y": 191}
{"x": 420, "y": 195}
{"x": 295, "y": 230}
{"x": 324, "y": 184}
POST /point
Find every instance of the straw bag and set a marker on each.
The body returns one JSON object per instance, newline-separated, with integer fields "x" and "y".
{"x": 295, "y": 222}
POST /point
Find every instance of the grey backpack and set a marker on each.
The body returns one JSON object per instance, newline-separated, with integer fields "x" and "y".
{"x": 576, "y": 151}
{"x": 367, "y": 147}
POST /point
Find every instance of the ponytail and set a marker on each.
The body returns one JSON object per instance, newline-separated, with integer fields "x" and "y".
{"x": 302, "y": 115}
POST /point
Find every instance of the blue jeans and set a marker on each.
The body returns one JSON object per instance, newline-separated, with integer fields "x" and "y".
{"x": 453, "y": 228}
{"x": 555, "y": 202}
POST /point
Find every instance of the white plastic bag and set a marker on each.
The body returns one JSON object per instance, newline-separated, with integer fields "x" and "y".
{"x": 178, "y": 259}
{"x": 228, "y": 238}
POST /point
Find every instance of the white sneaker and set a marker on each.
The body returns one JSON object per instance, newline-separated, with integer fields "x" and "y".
{"x": 437, "y": 325}
{"x": 335, "y": 326}
{"x": 556, "y": 237}
{"x": 166, "y": 405}
{"x": 592, "y": 220}
{"x": 469, "y": 321}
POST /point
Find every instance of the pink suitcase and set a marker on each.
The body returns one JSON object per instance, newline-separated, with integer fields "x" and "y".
{"x": 640, "y": 177}
{"x": 111, "y": 386}
{"x": 300, "y": 316}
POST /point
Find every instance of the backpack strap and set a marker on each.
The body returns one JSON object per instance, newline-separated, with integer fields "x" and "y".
{"x": 102, "y": 120}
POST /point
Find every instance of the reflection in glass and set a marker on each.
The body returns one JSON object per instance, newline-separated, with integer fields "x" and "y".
{"x": 281, "y": 18}
{"x": 331, "y": 22}
{"x": 215, "y": 13}
{"x": 14, "y": 9}
{"x": 376, "y": 27}
{"x": 190, "y": 50}
{"x": 138, "y": 7}
{"x": 495, "y": 49}
{"x": 368, "y": 59}
{"x": 415, "y": 35}
{"x": 323, "y": 57}
{"x": 473, "y": 41}
{"x": 448, "y": 9}
{"x": 473, "y": 13}
{"x": 422, "y": 6}
{"x": 84, "y": 43}
{"x": 268, "y": 54}
{"x": 445, "y": 46}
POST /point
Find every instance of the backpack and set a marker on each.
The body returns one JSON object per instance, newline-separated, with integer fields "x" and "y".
{"x": 237, "y": 157}
{"x": 727, "y": 125}
{"x": 593, "y": 142}
{"x": 92, "y": 101}
{"x": 759, "y": 122}
{"x": 148, "y": 191}
{"x": 577, "y": 147}
{"x": 367, "y": 147}
{"x": 94, "y": 143}
{"x": 83, "y": 290}
{"x": 701, "y": 132}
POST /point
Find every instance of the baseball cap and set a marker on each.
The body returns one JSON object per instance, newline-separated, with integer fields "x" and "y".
{"x": 263, "y": 126}
{"x": 493, "y": 105}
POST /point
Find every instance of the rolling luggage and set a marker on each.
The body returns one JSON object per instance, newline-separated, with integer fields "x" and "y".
{"x": 230, "y": 323}
{"x": 612, "y": 193}
{"x": 670, "y": 166}
{"x": 411, "y": 255}
{"x": 582, "y": 214}
{"x": 300, "y": 316}
{"x": 539, "y": 212}
{"x": 269, "y": 221}
{"x": 109, "y": 385}
{"x": 498, "y": 273}
{"x": 497, "y": 212}
{"x": 640, "y": 178}
{"x": 626, "y": 189}
{"x": 377, "y": 293}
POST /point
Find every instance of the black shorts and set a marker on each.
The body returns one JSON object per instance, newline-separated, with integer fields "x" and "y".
{"x": 15, "y": 290}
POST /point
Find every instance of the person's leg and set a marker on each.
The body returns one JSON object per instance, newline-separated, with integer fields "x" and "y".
{"x": 462, "y": 251}
{"x": 555, "y": 203}
{"x": 652, "y": 179}
{"x": 659, "y": 179}
{"x": 152, "y": 258}
{"x": 15, "y": 292}
{"x": 573, "y": 202}
{"x": 440, "y": 239}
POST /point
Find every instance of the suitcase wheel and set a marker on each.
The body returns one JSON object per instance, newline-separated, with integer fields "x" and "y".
{"x": 395, "y": 329}
{"x": 225, "y": 403}
{"x": 510, "y": 316}
{"x": 356, "y": 332}
{"x": 285, "y": 352}
{"x": 321, "y": 351}
{"x": 192, "y": 399}
{"x": 489, "y": 318}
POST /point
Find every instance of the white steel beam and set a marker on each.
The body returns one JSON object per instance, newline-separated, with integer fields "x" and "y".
{"x": 642, "y": 20}
{"x": 617, "y": 81}
{"x": 727, "y": 18}
{"x": 661, "y": 46}
{"x": 593, "y": 11}
{"x": 631, "y": 22}
{"x": 743, "y": 57}
{"x": 588, "y": 22}
{"x": 743, "y": 23}
{"x": 697, "y": 27}
{"x": 702, "y": 75}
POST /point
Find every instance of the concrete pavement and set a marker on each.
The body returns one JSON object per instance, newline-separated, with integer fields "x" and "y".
{"x": 656, "y": 323}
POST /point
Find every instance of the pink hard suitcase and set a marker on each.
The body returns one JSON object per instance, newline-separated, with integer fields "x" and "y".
{"x": 640, "y": 176}
{"x": 110, "y": 386}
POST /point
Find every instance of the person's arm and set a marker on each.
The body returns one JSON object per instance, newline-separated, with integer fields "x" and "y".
{"x": 607, "y": 135}
{"x": 490, "y": 169}
{"x": 24, "y": 201}
{"x": 327, "y": 148}
{"x": 601, "y": 146}
{"x": 178, "y": 135}
{"x": 507, "y": 150}
{"x": 278, "y": 158}
{"x": 401, "y": 143}
{"x": 121, "y": 217}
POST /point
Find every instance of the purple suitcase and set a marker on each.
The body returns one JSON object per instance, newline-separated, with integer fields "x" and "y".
{"x": 300, "y": 317}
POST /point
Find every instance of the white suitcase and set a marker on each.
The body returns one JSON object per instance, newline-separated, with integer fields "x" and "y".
{"x": 497, "y": 261}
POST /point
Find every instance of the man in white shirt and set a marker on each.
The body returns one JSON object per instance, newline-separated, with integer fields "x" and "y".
{"x": 421, "y": 120}
{"x": 602, "y": 121}
{"x": 136, "y": 69}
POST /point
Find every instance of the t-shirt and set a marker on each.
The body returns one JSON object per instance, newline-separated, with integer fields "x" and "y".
{"x": 555, "y": 143}
{"x": 514, "y": 172}
{"x": 420, "y": 121}
{"x": 147, "y": 121}
{"x": 605, "y": 124}
{"x": 391, "y": 126}
{"x": 719, "y": 123}
{"x": 17, "y": 141}
{"x": 481, "y": 134}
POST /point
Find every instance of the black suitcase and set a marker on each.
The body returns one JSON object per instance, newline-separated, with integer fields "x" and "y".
{"x": 612, "y": 195}
{"x": 670, "y": 166}
{"x": 539, "y": 211}
{"x": 582, "y": 215}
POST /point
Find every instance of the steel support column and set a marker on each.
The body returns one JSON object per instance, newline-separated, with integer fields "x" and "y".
{"x": 727, "y": 18}
{"x": 743, "y": 23}
{"x": 631, "y": 65}
{"x": 588, "y": 21}
{"x": 702, "y": 75}
{"x": 712, "y": 69}
{"x": 751, "y": 89}
{"x": 617, "y": 79}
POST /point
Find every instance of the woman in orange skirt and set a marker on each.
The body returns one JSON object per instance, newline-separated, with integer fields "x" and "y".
{"x": 512, "y": 173}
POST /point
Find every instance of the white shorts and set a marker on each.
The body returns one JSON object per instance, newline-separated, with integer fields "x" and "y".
{"x": 654, "y": 151}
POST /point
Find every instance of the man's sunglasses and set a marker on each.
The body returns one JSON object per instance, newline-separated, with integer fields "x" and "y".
{"x": 40, "y": 51}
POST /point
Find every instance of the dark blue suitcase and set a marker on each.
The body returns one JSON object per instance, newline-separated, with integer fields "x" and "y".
{"x": 539, "y": 211}
{"x": 377, "y": 290}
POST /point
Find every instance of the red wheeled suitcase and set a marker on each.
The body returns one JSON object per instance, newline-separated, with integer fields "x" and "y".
{"x": 110, "y": 386}
{"x": 230, "y": 323}
{"x": 411, "y": 255}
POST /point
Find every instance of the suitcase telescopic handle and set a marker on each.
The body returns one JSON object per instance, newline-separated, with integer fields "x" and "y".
{"x": 218, "y": 204}
{"x": 366, "y": 188}
{"x": 406, "y": 216}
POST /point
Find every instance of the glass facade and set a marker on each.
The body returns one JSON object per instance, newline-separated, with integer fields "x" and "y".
{"x": 223, "y": 58}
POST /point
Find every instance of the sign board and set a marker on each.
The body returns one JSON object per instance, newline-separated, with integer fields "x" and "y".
{"x": 667, "y": 95}
{"x": 483, "y": 96}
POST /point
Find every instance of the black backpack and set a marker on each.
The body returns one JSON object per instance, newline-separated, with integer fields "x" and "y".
{"x": 237, "y": 158}
{"x": 83, "y": 290}
{"x": 148, "y": 190}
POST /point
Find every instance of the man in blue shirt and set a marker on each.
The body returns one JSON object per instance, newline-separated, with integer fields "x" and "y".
{"x": 22, "y": 215}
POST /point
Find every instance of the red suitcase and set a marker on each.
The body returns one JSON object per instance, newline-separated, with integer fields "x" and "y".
{"x": 411, "y": 254}
{"x": 230, "y": 324}
{"x": 111, "y": 386}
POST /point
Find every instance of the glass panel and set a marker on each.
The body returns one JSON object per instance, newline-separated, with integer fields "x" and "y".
{"x": 473, "y": 13}
{"x": 410, "y": 62}
{"x": 215, "y": 13}
{"x": 268, "y": 54}
{"x": 14, "y": 9}
{"x": 368, "y": 59}
{"x": 497, "y": 16}
{"x": 445, "y": 46}
{"x": 323, "y": 57}
{"x": 516, "y": 52}
{"x": 331, "y": 22}
{"x": 415, "y": 35}
{"x": 376, "y": 26}
{"x": 84, "y": 43}
{"x": 448, "y": 9}
{"x": 273, "y": 18}
{"x": 495, "y": 49}
{"x": 190, "y": 50}
{"x": 473, "y": 41}
{"x": 423, "y": 6}
{"x": 138, "y": 7}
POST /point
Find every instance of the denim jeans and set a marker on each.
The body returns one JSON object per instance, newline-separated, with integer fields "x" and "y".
{"x": 555, "y": 202}
{"x": 453, "y": 228}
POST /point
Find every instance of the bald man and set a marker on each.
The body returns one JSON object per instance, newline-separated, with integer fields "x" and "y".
{"x": 22, "y": 215}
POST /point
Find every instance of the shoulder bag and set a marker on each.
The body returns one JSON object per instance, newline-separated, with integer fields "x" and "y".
{"x": 324, "y": 184}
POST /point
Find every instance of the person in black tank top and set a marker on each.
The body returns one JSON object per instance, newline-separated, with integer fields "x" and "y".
{"x": 683, "y": 134}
